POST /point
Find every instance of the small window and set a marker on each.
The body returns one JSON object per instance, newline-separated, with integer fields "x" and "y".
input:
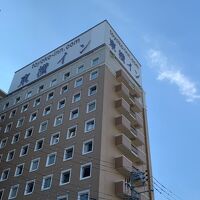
{"x": 84, "y": 195}
{"x": 55, "y": 138}
{"x": 2, "y": 118}
{"x": 78, "y": 82}
{"x": 76, "y": 97}
{"x": 92, "y": 90}
{"x": 19, "y": 169}
{"x": 17, "y": 100}
{"x": 93, "y": 75}
{"x": 33, "y": 117}
{"x": 66, "y": 76}
{"x": 5, "y": 174}
{"x": 2, "y": 192}
{"x": 39, "y": 144}
{"x": 20, "y": 122}
{"x": 74, "y": 114}
{"x": 10, "y": 155}
{"x": 15, "y": 138}
{"x": 29, "y": 187}
{"x": 28, "y": 132}
{"x": 3, "y": 143}
{"x": 86, "y": 170}
{"x": 87, "y": 147}
{"x": 53, "y": 82}
{"x": 8, "y": 128}
{"x": 13, "y": 191}
{"x": 24, "y": 108}
{"x": 80, "y": 69}
{"x": 65, "y": 177}
{"x": 24, "y": 150}
{"x": 68, "y": 153}
{"x": 47, "y": 110}
{"x": 64, "y": 89}
{"x": 91, "y": 106}
{"x": 58, "y": 120}
{"x": 51, "y": 159}
{"x": 12, "y": 113}
{"x": 71, "y": 132}
{"x": 40, "y": 88}
{"x": 6, "y": 106}
{"x": 34, "y": 165}
{"x": 89, "y": 125}
{"x": 46, "y": 182}
{"x": 95, "y": 61}
{"x": 61, "y": 104}
{"x": 28, "y": 94}
{"x": 64, "y": 197}
{"x": 36, "y": 102}
{"x": 50, "y": 96}
{"x": 43, "y": 126}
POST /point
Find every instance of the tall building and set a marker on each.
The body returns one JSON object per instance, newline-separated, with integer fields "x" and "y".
{"x": 73, "y": 124}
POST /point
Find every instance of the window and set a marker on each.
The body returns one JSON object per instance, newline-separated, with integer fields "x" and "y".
{"x": 24, "y": 150}
{"x": 93, "y": 75}
{"x": 65, "y": 197}
{"x": 34, "y": 165}
{"x": 65, "y": 177}
{"x": 92, "y": 90}
{"x": 68, "y": 153}
{"x": 78, "y": 82}
{"x": 43, "y": 126}
{"x": 47, "y": 110}
{"x": 55, "y": 138}
{"x": 28, "y": 94}
{"x": 33, "y": 117}
{"x": 1, "y": 194}
{"x": 3, "y": 143}
{"x": 89, "y": 125}
{"x": 15, "y": 138}
{"x": 17, "y": 100}
{"x": 6, "y": 106}
{"x": 86, "y": 170}
{"x": 74, "y": 113}
{"x": 84, "y": 195}
{"x": 95, "y": 61}
{"x": 91, "y": 106}
{"x": 50, "y": 96}
{"x": 10, "y": 155}
{"x": 66, "y": 76}
{"x": 2, "y": 118}
{"x": 40, "y": 88}
{"x": 80, "y": 69}
{"x": 24, "y": 108}
{"x": 76, "y": 97}
{"x": 28, "y": 132}
{"x": 20, "y": 122}
{"x": 51, "y": 159}
{"x": 13, "y": 192}
{"x": 8, "y": 127}
{"x": 12, "y": 113}
{"x": 71, "y": 132}
{"x": 19, "y": 169}
{"x": 87, "y": 146}
{"x": 39, "y": 144}
{"x": 29, "y": 187}
{"x": 36, "y": 102}
{"x": 58, "y": 120}
{"x": 61, "y": 104}
{"x": 5, "y": 174}
{"x": 1, "y": 156}
{"x": 53, "y": 82}
{"x": 64, "y": 89}
{"x": 46, "y": 182}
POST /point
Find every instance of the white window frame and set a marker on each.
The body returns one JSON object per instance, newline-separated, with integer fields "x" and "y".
{"x": 13, "y": 150}
{"x": 44, "y": 111}
{"x": 11, "y": 188}
{"x": 31, "y": 165}
{"x": 90, "y": 89}
{"x": 20, "y": 155}
{"x": 88, "y": 105}
{"x": 61, "y": 175}
{"x": 25, "y": 190}
{"x": 8, "y": 169}
{"x": 6, "y": 139}
{"x": 80, "y": 69}
{"x": 58, "y": 106}
{"x": 86, "y": 122}
{"x": 41, "y": 139}
{"x": 68, "y": 131}
{"x": 22, "y": 164}
{"x": 81, "y": 170}
{"x": 35, "y": 103}
{"x": 71, "y": 147}
{"x": 75, "y": 82}
{"x": 2, "y": 190}
{"x": 12, "y": 142}
{"x": 84, "y": 143}
{"x": 41, "y": 124}
{"x": 53, "y": 82}
{"x": 55, "y": 120}
{"x": 2, "y": 117}
{"x": 91, "y": 74}
{"x": 17, "y": 100}
{"x": 51, "y": 140}
{"x": 94, "y": 60}
{"x": 6, "y": 128}
{"x": 19, "y": 121}
{"x": 47, "y": 160}
{"x": 28, "y": 94}
{"x": 30, "y": 118}
{"x": 83, "y": 192}
{"x": 65, "y": 77}
{"x": 63, "y": 196}
{"x": 62, "y": 89}
{"x": 70, "y": 116}
{"x": 39, "y": 88}
{"x": 11, "y": 113}
{"x": 47, "y": 98}
{"x": 73, "y": 98}
{"x": 26, "y": 133}
{"x": 22, "y": 109}
{"x": 43, "y": 181}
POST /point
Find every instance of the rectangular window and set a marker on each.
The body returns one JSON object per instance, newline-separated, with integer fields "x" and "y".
{"x": 78, "y": 82}
{"x": 29, "y": 187}
{"x": 17, "y": 100}
{"x": 93, "y": 75}
{"x": 12, "y": 113}
{"x": 39, "y": 144}
{"x": 65, "y": 177}
{"x": 84, "y": 195}
{"x": 24, "y": 108}
{"x": 64, "y": 89}
{"x": 64, "y": 197}
{"x": 10, "y": 155}
{"x": 2, "y": 192}
{"x": 34, "y": 165}
{"x": 76, "y": 97}
{"x": 47, "y": 110}
{"x": 58, "y": 120}
{"x": 19, "y": 169}
{"x": 86, "y": 171}
{"x": 3, "y": 143}
{"x": 55, "y": 138}
{"x": 28, "y": 94}
{"x": 87, "y": 147}
{"x": 43, "y": 126}
{"x": 91, "y": 106}
{"x": 5, "y": 174}
{"x": 74, "y": 114}
{"x": 53, "y": 82}
{"x": 46, "y": 182}
{"x": 80, "y": 69}
{"x": 28, "y": 132}
{"x": 13, "y": 191}
{"x": 66, "y": 76}
{"x": 40, "y": 88}
{"x": 2, "y": 118}
{"x": 92, "y": 90}
{"x": 15, "y": 138}
{"x": 6, "y": 106}
{"x": 8, "y": 128}
{"x": 50, "y": 96}
{"x": 36, "y": 102}
{"x": 33, "y": 117}
{"x": 20, "y": 122}
{"x": 24, "y": 150}
{"x": 89, "y": 125}
{"x": 68, "y": 153}
{"x": 61, "y": 104}
{"x": 51, "y": 159}
{"x": 95, "y": 61}
{"x": 71, "y": 132}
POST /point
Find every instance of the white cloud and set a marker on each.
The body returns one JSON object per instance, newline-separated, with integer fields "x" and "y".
{"x": 168, "y": 72}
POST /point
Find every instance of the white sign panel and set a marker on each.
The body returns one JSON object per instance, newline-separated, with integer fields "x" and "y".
{"x": 93, "y": 38}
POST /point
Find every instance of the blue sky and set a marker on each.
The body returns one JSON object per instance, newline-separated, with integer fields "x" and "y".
{"x": 163, "y": 35}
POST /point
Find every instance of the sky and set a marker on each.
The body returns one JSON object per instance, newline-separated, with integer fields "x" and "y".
{"x": 164, "y": 37}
